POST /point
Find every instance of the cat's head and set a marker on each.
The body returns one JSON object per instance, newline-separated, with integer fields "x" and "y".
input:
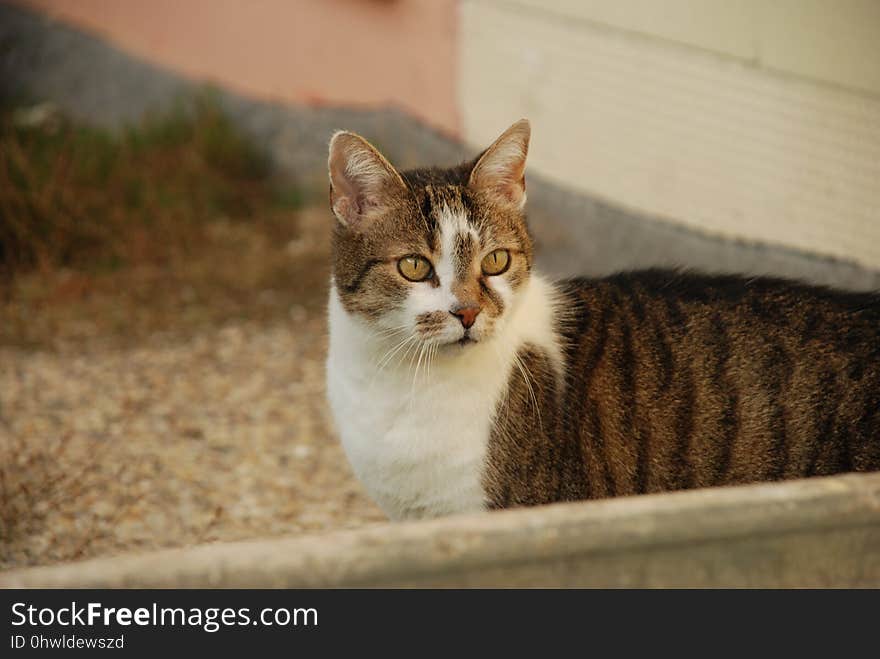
{"x": 438, "y": 256}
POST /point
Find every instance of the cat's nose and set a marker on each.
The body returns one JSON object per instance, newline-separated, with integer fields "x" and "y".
{"x": 467, "y": 315}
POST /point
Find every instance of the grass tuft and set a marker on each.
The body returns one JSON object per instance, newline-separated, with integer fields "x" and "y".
{"x": 82, "y": 197}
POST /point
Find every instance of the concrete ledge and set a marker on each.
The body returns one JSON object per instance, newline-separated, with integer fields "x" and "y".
{"x": 813, "y": 533}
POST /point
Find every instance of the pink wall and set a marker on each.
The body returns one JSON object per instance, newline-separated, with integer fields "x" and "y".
{"x": 338, "y": 52}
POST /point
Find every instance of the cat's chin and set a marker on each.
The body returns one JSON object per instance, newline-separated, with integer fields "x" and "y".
{"x": 458, "y": 345}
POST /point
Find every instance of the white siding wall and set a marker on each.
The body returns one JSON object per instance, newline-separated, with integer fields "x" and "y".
{"x": 757, "y": 120}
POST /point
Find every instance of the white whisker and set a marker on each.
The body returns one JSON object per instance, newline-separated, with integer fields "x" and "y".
{"x": 389, "y": 356}
{"x": 412, "y": 389}
{"x": 524, "y": 370}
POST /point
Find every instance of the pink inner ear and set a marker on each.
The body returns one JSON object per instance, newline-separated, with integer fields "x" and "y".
{"x": 343, "y": 194}
{"x": 345, "y": 209}
{"x": 508, "y": 185}
{"x": 351, "y": 207}
{"x": 513, "y": 190}
{"x": 346, "y": 195}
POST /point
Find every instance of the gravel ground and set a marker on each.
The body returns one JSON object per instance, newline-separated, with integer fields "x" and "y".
{"x": 173, "y": 440}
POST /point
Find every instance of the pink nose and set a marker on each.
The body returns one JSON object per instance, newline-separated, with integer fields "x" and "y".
{"x": 467, "y": 315}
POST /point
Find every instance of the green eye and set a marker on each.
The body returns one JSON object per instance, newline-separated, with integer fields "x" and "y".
{"x": 496, "y": 263}
{"x": 415, "y": 268}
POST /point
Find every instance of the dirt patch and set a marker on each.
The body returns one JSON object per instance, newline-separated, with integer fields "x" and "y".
{"x": 167, "y": 408}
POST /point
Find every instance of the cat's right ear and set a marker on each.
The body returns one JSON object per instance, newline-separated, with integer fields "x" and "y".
{"x": 361, "y": 179}
{"x": 500, "y": 171}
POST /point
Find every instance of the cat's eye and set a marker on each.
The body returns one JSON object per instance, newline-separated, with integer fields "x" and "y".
{"x": 415, "y": 268}
{"x": 496, "y": 263}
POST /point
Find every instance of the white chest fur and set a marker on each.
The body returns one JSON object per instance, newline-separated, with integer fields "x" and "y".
{"x": 419, "y": 442}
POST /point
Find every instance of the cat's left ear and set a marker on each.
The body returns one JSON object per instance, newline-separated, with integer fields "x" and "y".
{"x": 500, "y": 171}
{"x": 362, "y": 181}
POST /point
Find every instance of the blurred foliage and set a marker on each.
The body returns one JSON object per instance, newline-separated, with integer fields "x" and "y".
{"x": 85, "y": 198}
{"x": 170, "y": 226}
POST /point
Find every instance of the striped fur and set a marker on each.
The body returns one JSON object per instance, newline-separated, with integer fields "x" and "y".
{"x": 677, "y": 380}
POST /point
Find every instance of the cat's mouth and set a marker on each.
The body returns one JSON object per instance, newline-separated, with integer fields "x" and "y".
{"x": 466, "y": 338}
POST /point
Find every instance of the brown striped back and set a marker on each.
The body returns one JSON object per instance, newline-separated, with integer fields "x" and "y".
{"x": 677, "y": 380}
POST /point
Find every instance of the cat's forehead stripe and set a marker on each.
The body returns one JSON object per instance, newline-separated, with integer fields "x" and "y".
{"x": 458, "y": 241}
{"x": 453, "y": 220}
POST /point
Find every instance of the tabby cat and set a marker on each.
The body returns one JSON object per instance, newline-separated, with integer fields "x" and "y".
{"x": 461, "y": 380}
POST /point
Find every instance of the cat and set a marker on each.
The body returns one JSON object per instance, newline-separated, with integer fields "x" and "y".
{"x": 461, "y": 380}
